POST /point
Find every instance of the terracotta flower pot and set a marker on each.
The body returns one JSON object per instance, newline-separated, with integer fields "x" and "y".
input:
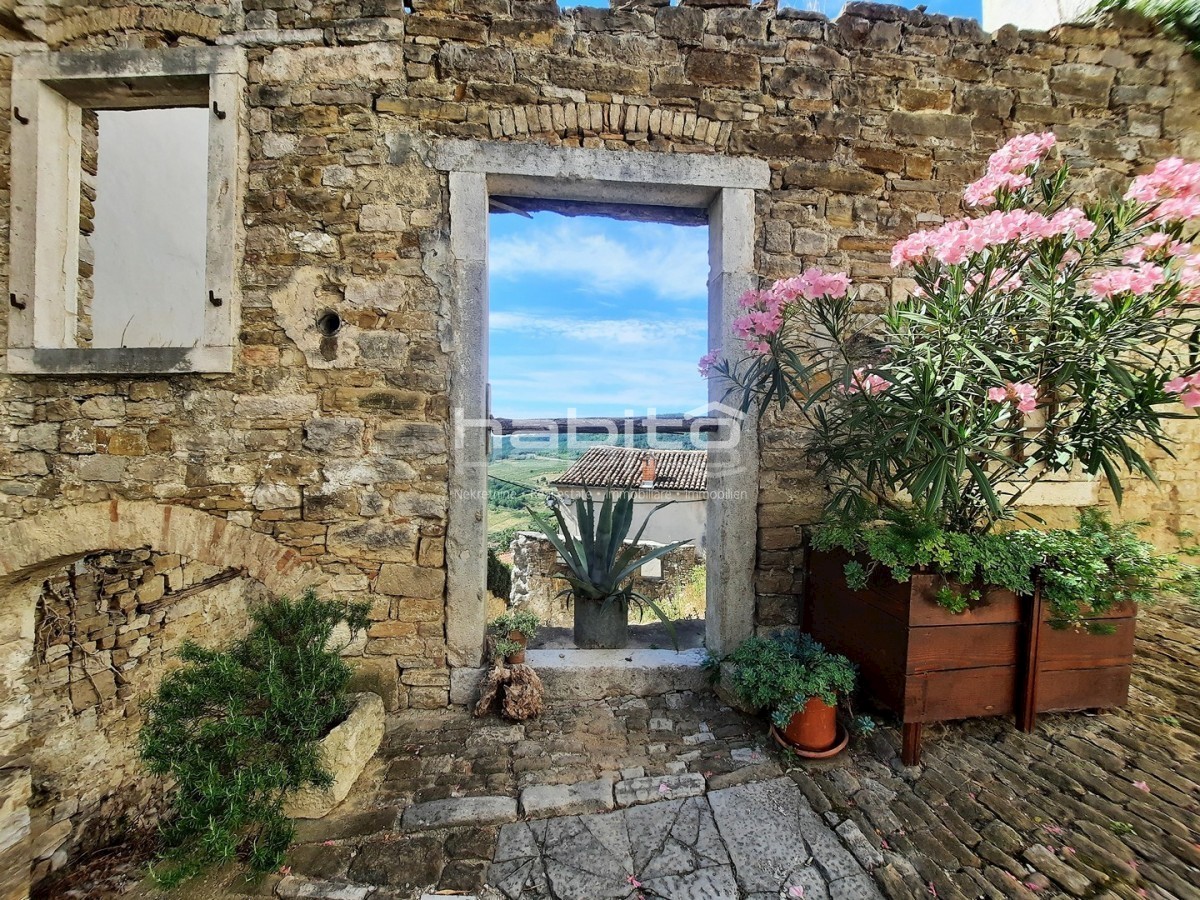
{"x": 518, "y": 658}
{"x": 814, "y": 727}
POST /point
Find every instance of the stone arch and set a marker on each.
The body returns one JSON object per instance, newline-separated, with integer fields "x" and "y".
{"x": 56, "y": 538}
{"x": 77, "y": 25}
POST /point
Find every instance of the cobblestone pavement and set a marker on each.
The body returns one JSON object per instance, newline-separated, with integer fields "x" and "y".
{"x": 683, "y": 795}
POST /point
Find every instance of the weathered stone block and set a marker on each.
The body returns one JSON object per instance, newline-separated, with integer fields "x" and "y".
{"x": 800, "y": 81}
{"x": 571, "y": 72}
{"x": 1082, "y": 84}
{"x": 411, "y": 581}
{"x": 345, "y": 752}
{"x": 713, "y": 68}
{"x": 831, "y": 177}
{"x": 375, "y": 541}
{"x": 634, "y": 791}
{"x": 341, "y": 436}
{"x": 412, "y": 439}
{"x": 584, "y": 798}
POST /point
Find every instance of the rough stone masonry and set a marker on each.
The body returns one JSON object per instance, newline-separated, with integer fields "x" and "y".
{"x": 330, "y": 455}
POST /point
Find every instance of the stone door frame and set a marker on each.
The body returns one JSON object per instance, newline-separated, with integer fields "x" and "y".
{"x": 722, "y": 186}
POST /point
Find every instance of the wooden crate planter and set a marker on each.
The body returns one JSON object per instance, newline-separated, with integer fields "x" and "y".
{"x": 927, "y": 664}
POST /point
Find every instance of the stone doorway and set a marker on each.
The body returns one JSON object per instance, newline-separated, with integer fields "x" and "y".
{"x": 723, "y": 190}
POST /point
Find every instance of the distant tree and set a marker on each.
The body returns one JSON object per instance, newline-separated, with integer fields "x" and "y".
{"x": 499, "y": 575}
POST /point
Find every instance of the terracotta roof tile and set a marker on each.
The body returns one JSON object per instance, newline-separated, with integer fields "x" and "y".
{"x": 621, "y": 467}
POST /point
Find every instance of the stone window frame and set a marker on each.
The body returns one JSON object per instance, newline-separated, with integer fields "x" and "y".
{"x": 725, "y": 188}
{"x": 49, "y": 93}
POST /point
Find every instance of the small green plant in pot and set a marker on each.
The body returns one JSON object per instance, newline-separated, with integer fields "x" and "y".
{"x": 513, "y": 630}
{"x": 799, "y": 681}
{"x": 238, "y": 731}
{"x": 601, "y": 565}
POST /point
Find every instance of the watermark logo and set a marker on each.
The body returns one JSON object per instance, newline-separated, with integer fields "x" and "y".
{"x": 715, "y": 427}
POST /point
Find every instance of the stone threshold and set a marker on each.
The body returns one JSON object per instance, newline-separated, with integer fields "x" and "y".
{"x": 599, "y": 674}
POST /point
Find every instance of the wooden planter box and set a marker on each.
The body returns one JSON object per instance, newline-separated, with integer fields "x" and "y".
{"x": 926, "y": 664}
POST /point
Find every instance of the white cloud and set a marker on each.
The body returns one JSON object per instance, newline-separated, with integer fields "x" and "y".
{"x": 670, "y": 262}
{"x": 626, "y": 332}
{"x": 594, "y": 384}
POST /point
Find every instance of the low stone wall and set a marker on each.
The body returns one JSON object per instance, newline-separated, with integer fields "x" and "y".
{"x": 107, "y": 629}
{"x": 538, "y": 578}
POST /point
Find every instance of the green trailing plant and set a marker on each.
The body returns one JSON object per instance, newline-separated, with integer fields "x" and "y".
{"x": 1179, "y": 19}
{"x": 600, "y": 561}
{"x": 783, "y": 672}
{"x": 1082, "y": 571}
{"x": 499, "y": 575}
{"x": 237, "y": 731}
{"x": 503, "y": 648}
{"x": 1100, "y": 565}
{"x": 903, "y": 542}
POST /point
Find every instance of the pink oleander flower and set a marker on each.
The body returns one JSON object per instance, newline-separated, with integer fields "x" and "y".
{"x": 1173, "y": 188}
{"x": 1020, "y": 393}
{"x": 1008, "y": 168}
{"x": 1002, "y": 280}
{"x": 766, "y": 309}
{"x": 1189, "y": 277}
{"x": 868, "y": 384}
{"x": 1140, "y": 279}
{"x": 1156, "y": 245}
{"x": 708, "y": 361}
{"x": 1187, "y": 387}
{"x": 1142, "y": 786}
{"x": 808, "y": 285}
{"x": 1073, "y": 221}
{"x": 983, "y": 192}
{"x": 956, "y": 241}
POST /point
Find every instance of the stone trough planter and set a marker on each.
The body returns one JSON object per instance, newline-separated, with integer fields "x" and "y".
{"x": 346, "y": 751}
{"x": 1000, "y": 658}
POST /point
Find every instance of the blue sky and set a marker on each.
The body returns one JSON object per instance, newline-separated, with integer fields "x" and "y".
{"x": 596, "y": 314}
{"x": 970, "y": 9}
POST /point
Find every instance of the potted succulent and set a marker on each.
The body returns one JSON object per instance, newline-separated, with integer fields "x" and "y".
{"x": 601, "y": 564}
{"x": 801, "y": 683}
{"x": 513, "y": 631}
{"x": 1040, "y": 340}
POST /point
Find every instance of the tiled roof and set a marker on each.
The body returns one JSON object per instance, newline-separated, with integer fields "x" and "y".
{"x": 621, "y": 467}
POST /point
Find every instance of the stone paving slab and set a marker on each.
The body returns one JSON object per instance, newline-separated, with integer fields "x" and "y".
{"x": 542, "y": 800}
{"x": 631, "y": 791}
{"x": 745, "y": 841}
{"x": 459, "y": 811}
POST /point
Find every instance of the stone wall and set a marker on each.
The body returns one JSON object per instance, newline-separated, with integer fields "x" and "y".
{"x": 106, "y": 630}
{"x": 537, "y": 573}
{"x": 327, "y": 457}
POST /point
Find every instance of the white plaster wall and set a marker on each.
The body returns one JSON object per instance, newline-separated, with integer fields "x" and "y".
{"x": 150, "y": 228}
{"x": 1039, "y": 15}
{"x": 685, "y": 519}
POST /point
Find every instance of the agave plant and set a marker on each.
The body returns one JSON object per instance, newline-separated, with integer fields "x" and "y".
{"x": 600, "y": 562}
